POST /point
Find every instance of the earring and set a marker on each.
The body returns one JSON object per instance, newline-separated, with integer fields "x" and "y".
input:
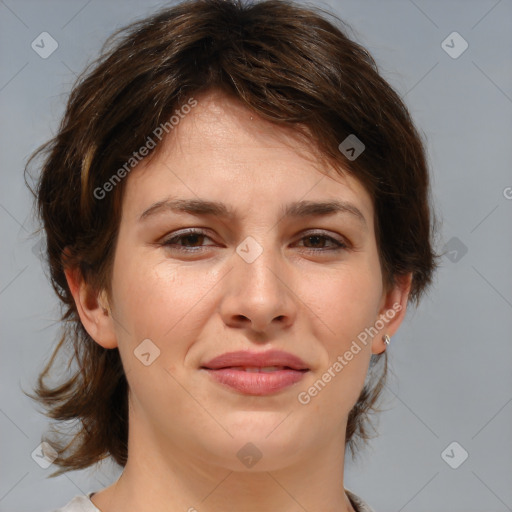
{"x": 386, "y": 339}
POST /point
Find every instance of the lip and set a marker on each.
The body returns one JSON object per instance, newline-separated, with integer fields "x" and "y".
{"x": 227, "y": 369}
{"x": 256, "y": 360}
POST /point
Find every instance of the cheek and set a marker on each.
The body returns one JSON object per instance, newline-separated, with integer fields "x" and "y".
{"x": 156, "y": 299}
{"x": 345, "y": 302}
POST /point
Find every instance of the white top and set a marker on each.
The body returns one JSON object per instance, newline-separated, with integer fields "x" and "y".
{"x": 83, "y": 503}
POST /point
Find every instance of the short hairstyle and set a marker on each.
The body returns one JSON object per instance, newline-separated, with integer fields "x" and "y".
{"x": 287, "y": 63}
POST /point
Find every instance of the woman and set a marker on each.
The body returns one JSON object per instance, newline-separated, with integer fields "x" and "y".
{"x": 237, "y": 215}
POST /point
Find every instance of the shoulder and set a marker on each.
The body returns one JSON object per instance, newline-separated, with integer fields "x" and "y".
{"x": 358, "y": 503}
{"x": 81, "y": 503}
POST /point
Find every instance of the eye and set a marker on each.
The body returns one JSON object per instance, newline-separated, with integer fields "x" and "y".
{"x": 192, "y": 241}
{"x": 188, "y": 241}
{"x": 316, "y": 242}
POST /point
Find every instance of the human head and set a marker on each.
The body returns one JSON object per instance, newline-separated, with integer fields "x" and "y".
{"x": 289, "y": 66}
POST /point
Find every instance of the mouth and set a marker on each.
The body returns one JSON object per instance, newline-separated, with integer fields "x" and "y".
{"x": 254, "y": 369}
{"x": 256, "y": 381}
{"x": 257, "y": 374}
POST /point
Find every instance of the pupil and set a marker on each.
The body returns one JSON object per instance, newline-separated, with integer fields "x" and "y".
{"x": 191, "y": 238}
{"x": 316, "y": 239}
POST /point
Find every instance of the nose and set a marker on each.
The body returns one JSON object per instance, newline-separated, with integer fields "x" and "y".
{"x": 259, "y": 295}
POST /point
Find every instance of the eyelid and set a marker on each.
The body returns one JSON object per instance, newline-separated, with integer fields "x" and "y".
{"x": 342, "y": 240}
{"x": 341, "y": 243}
{"x": 182, "y": 233}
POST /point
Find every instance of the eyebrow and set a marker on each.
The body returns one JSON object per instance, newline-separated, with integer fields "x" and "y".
{"x": 298, "y": 209}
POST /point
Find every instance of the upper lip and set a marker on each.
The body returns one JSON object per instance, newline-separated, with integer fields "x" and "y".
{"x": 256, "y": 360}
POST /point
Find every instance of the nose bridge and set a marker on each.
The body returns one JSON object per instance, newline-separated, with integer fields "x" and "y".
{"x": 256, "y": 291}
{"x": 258, "y": 264}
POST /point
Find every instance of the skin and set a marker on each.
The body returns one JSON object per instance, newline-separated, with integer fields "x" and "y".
{"x": 299, "y": 295}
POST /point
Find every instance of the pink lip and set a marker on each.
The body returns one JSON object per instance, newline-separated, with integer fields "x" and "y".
{"x": 228, "y": 370}
{"x": 256, "y": 360}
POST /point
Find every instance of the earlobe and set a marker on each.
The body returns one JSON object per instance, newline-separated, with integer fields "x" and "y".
{"x": 392, "y": 312}
{"x": 93, "y": 309}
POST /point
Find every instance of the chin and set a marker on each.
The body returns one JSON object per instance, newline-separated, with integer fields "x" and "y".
{"x": 255, "y": 456}
{"x": 256, "y": 448}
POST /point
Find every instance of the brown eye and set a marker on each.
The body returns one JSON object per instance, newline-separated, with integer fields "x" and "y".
{"x": 191, "y": 241}
{"x": 322, "y": 242}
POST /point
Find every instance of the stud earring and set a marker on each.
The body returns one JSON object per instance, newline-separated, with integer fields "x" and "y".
{"x": 386, "y": 339}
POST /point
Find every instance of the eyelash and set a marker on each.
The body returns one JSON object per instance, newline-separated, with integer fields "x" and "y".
{"x": 171, "y": 242}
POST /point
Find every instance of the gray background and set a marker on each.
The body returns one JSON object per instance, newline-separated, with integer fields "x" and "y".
{"x": 451, "y": 359}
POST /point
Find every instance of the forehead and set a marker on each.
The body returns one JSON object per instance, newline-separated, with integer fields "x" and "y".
{"x": 223, "y": 151}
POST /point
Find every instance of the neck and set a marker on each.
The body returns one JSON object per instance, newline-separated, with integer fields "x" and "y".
{"x": 147, "y": 484}
{"x": 161, "y": 476}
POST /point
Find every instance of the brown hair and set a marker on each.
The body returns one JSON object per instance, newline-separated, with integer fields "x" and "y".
{"x": 288, "y": 64}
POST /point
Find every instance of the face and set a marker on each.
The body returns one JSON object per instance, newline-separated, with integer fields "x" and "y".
{"x": 262, "y": 269}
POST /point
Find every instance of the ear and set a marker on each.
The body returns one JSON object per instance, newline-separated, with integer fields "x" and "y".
{"x": 93, "y": 309}
{"x": 392, "y": 311}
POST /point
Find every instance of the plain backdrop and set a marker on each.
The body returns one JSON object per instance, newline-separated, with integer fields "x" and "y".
{"x": 451, "y": 361}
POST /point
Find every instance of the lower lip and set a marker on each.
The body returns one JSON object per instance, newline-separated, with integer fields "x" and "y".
{"x": 256, "y": 383}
